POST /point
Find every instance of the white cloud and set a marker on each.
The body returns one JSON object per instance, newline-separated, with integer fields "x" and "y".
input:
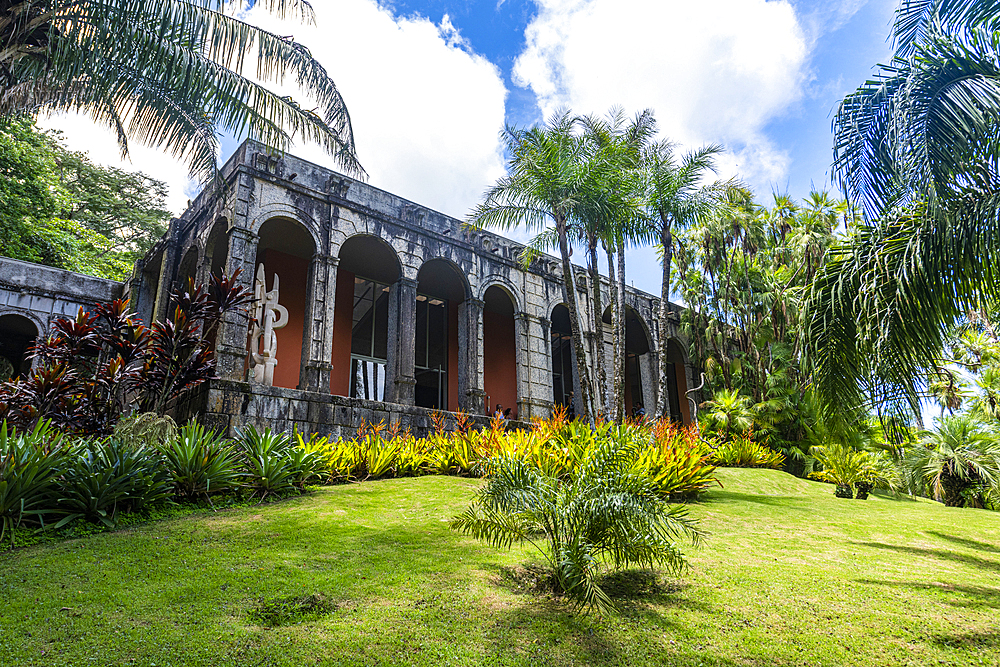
{"x": 426, "y": 110}
{"x": 713, "y": 71}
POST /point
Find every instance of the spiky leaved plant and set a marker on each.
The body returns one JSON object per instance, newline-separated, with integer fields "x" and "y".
{"x": 601, "y": 513}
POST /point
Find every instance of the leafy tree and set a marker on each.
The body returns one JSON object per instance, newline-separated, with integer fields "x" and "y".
{"x": 916, "y": 147}
{"x": 170, "y": 73}
{"x": 64, "y": 211}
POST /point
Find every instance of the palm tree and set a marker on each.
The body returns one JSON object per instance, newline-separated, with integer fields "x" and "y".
{"x": 169, "y": 73}
{"x": 547, "y": 184}
{"x": 729, "y": 412}
{"x": 617, "y": 145}
{"x": 604, "y": 510}
{"x": 917, "y": 148}
{"x": 675, "y": 197}
{"x": 958, "y": 460}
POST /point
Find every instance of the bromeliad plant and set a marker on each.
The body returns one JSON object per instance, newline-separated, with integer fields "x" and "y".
{"x": 28, "y": 462}
{"x": 93, "y": 368}
{"x": 603, "y": 513}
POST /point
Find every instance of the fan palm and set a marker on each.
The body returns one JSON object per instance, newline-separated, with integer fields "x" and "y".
{"x": 958, "y": 459}
{"x": 603, "y": 511}
{"x": 169, "y": 73}
{"x": 917, "y": 147}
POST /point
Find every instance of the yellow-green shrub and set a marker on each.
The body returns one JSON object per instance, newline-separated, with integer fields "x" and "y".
{"x": 676, "y": 459}
{"x": 742, "y": 451}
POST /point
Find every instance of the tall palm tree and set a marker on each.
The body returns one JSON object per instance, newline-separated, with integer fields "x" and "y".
{"x": 917, "y": 148}
{"x": 617, "y": 145}
{"x": 957, "y": 461}
{"x": 169, "y": 73}
{"x": 545, "y": 188}
{"x": 675, "y": 197}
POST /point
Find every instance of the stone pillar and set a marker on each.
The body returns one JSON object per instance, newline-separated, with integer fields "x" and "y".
{"x": 231, "y": 343}
{"x": 474, "y": 398}
{"x": 405, "y": 327}
{"x": 317, "y": 337}
{"x": 522, "y": 357}
{"x": 538, "y": 367}
{"x": 165, "y": 281}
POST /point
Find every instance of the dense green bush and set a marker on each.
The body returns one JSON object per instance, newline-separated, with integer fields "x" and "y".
{"x": 28, "y": 462}
{"x": 742, "y": 451}
{"x": 201, "y": 462}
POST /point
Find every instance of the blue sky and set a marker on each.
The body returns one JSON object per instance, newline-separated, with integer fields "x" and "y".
{"x": 430, "y": 83}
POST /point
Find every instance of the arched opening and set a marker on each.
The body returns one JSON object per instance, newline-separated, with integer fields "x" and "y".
{"x": 187, "y": 269}
{"x": 562, "y": 358}
{"x": 149, "y": 288}
{"x": 217, "y": 248}
{"x": 637, "y": 365}
{"x": 17, "y": 335}
{"x": 499, "y": 351}
{"x": 368, "y": 268}
{"x": 286, "y": 248}
{"x": 441, "y": 287}
{"x": 677, "y": 403}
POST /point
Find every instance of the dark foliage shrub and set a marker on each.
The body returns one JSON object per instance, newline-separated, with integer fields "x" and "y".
{"x": 93, "y": 368}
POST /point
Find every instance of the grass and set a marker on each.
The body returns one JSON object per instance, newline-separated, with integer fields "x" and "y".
{"x": 370, "y": 574}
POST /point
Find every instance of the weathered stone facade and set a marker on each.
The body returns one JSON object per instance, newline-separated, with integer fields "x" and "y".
{"x": 32, "y": 296}
{"x": 336, "y": 234}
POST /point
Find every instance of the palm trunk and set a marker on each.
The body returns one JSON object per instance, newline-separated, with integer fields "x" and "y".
{"x": 569, "y": 284}
{"x": 666, "y": 239}
{"x": 618, "y": 376}
{"x": 601, "y": 392}
{"x": 620, "y": 326}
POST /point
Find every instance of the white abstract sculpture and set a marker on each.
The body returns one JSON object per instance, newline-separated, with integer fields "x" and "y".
{"x": 268, "y": 316}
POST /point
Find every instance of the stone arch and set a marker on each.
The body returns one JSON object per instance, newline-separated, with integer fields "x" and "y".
{"x": 678, "y": 407}
{"x": 187, "y": 267}
{"x": 285, "y": 248}
{"x": 500, "y": 368}
{"x": 565, "y": 385}
{"x": 269, "y": 212}
{"x": 502, "y": 282}
{"x": 442, "y": 288}
{"x": 368, "y": 275}
{"x": 217, "y": 249}
{"x": 18, "y": 333}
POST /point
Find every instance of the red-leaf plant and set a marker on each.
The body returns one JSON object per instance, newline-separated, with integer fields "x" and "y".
{"x": 91, "y": 369}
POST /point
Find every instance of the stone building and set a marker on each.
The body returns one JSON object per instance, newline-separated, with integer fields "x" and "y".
{"x": 393, "y": 310}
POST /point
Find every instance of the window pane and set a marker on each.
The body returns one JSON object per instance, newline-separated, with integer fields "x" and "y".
{"x": 361, "y": 331}
{"x": 437, "y": 336}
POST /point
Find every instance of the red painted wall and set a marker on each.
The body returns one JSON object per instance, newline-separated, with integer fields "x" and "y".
{"x": 682, "y": 384}
{"x": 343, "y": 321}
{"x": 292, "y": 274}
{"x": 453, "y": 369}
{"x": 500, "y": 362}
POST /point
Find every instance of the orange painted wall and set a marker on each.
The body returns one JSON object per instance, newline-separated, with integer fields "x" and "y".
{"x": 500, "y": 362}
{"x": 343, "y": 321}
{"x": 292, "y": 274}
{"x": 453, "y": 369}
{"x": 682, "y": 384}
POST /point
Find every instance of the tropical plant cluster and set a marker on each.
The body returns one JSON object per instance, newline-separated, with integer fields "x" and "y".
{"x": 92, "y": 369}
{"x": 49, "y": 480}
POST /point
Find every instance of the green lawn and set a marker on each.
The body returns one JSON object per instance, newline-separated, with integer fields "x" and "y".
{"x": 789, "y": 575}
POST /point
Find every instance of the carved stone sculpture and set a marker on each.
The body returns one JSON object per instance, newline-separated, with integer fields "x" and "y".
{"x": 268, "y": 316}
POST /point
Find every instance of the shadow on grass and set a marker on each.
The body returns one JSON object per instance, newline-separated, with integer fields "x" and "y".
{"x": 973, "y": 597}
{"x": 784, "y": 502}
{"x": 969, "y": 640}
{"x": 962, "y": 541}
{"x": 972, "y": 561}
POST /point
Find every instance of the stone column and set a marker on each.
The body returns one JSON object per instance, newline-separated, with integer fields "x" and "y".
{"x": 538, "y": 367}
{"x": 405, "y": 327}
{"x": 317, "y": 337}
{"x": 474, "y": 398}
{"x": 165, "y": 281}
{"x": 523, "y": 359}
{"x": 231, "y": 342}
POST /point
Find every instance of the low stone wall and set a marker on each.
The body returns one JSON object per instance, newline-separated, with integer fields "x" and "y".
{"x": 228, "y": 406}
